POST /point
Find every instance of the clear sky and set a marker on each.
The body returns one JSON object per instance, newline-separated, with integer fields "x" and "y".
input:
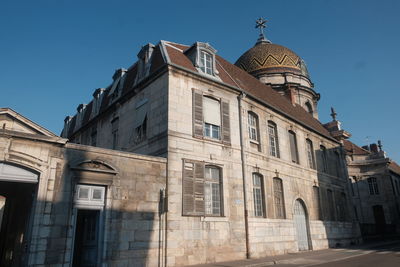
{"x": 53, "y": 54}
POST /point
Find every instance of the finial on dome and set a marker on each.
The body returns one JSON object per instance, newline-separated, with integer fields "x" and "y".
{"x": 260, "y": 23}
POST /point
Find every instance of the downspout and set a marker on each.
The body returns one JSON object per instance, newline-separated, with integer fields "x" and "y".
{"x": 243, "y": 157}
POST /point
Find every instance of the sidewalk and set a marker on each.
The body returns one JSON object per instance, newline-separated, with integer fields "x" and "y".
{"x": 307, "y": 257}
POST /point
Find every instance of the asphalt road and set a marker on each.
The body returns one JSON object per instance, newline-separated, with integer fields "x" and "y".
{"x": 383, "y": 256}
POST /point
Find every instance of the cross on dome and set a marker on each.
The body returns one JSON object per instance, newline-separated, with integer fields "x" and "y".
{"x": 260, "y": 23}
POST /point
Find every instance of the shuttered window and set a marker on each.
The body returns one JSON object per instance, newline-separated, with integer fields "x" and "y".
{"x": 210, "y": 118}
{"x": 293, "y": 147}
{"x": 273, "y": 139}
{"x": 258, "y": 195}
{"x": 279, "y": 202}
{"x": 310, "y": 154}
{"x": 201, "y": 189}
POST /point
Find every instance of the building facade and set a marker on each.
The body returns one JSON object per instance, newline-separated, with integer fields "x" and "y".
{"x": 375, "y": 189}
{"x": 183, "y": 159}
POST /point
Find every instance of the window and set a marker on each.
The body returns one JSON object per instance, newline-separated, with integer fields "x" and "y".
{"x": 273, "y": 139}
{"x": 317, "y": 201}
{"x": 206, "y": 62}
{"x": 337, "y": 163}
{"x": 258, "y": 195}
{"x": 89, "y": 195}
{"x": 309, "y": 108}
{"x": 324, "y": 163}
{"x": 279, "y": 199}
{"x": 352, "y": 186}
{"x": 141, "y": 131}
{"x": 342, "y": 207}
{"x": 331, "y": 205}
{"x": 293, "y": 147}
{"x": 93, "y": 137}
{"x": 140, "y": 121}
{"x": 201, "y": 189}
{"x": 310, "y": 154}
{"x": 373, "y": 186}
{"x": 114, "y": 132}
{"x": 210, "y": 118}
{"x": 253, "y": 127}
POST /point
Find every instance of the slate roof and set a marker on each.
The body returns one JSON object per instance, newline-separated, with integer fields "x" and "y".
{"x": 353, "y": 149}
{"x": 394, "y": 167}
{"x": 169, "y": 53}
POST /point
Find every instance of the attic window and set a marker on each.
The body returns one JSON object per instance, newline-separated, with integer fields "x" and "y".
{"x": 206, "y": 62}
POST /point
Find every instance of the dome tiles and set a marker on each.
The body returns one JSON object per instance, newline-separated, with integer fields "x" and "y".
{"x": 266, "y": 57}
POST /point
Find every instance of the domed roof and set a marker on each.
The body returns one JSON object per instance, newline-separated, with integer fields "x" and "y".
{"x": 266, "y": 57}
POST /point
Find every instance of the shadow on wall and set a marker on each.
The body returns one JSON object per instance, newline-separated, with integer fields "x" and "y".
{"x": 331, "y": 193}
{"x": 88, "y": 215}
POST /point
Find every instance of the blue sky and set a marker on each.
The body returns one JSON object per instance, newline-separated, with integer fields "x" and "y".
{"x": 53, "y": 54}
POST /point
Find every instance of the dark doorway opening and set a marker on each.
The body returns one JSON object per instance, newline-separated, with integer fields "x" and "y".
{"x": 16, "y": 209}
{"x": 380, "y": 221}
{"x": 86, "y": 238}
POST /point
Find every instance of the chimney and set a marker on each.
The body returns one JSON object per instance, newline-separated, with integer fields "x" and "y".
{"x": 290, "y": 94}
{"x": 373, "y": 148}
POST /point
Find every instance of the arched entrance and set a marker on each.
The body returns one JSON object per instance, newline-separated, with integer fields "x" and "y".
{"x": 300, "y": 219}
{"x": 17, "y": 190}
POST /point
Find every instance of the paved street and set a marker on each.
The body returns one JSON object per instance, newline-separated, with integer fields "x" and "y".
{"x": 383, "y": 254}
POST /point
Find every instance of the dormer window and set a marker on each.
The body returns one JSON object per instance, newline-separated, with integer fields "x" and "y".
{"x": 206, "y": 62}
{"x": 202, "y": 56}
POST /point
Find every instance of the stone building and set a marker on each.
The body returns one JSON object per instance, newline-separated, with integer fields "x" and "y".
{"x": 65, "y": 204}
{"x": 375, "y": 189}
{"x": 251, "y": 172}
{"x": 247, "y": 168}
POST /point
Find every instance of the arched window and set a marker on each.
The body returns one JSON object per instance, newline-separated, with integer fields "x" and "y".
{"x": 331, "y": 205}
{"x": 273, "y": 139}
{"x": 309, "y": 107}
{"x": 279, "y": 202}
{"x": 258, "y": 195}
{"x": 337, "y": 164}
{"x": 324, "y": 163}
{"x": 317, "y": 201}
{"x": 293, "y": 147}
{"x": 310, "y": 154}
{"x": 253, "y": 127}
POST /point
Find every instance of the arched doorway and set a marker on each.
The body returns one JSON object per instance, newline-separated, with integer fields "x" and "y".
{"x": 300, "y": 219}
{"x": 17, "y": 190}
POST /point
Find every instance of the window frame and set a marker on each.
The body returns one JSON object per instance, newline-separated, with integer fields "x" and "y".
{"x": 317, "y": 202}
{"x": 201, "y": 190}
{"x": 199, "y": 124}
{"x": 373, "y": 186}
{"x": 310, "y": 154}
{"x": 252, "y": 122}
{"x": 294, "y": 151}
{"x": 324, "y": 158}
{"x": 273, "y": 138}
{"x": 259, "y": 201}
{"x": 203, "y": 60}
{"x": 279, "y": 207}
